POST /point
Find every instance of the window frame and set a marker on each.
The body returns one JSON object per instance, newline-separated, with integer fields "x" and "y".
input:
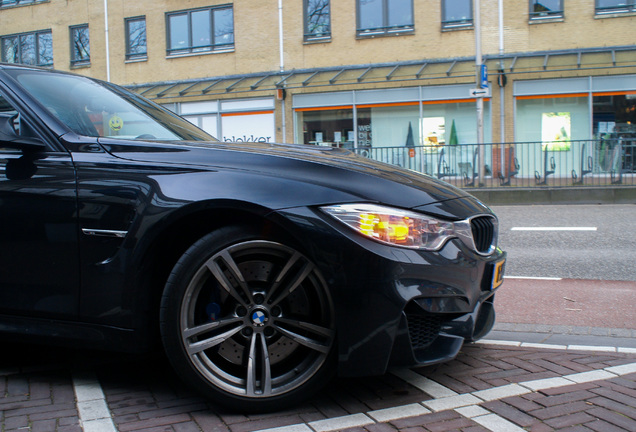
{"x": 190, "y": 49}
{"x": 457, "y": 24}
{"x": 545, "y": 15}
{"x": 385, "y": 30}
{"x": 78, "y": 62}
{"x": 313, "y": 36}
{"x": 36, "y": 46}
{"x": 629, "y": 7}
{"x": 5, "y": 4}
{"x": 141, "y": 55}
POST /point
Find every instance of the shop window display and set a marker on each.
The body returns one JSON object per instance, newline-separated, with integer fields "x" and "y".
{"x": 249, "y": 120}
{"x": 611, "y": 110}
{"x": 535, "y": 114}
{"x": 397, "y": 133}
{"x": 390, "y": 134}
{"x": 559, "y": 127}
{"x": 327, "y": 127}
{"x": 449, "y": 136}
{"x": 614, "y": 126}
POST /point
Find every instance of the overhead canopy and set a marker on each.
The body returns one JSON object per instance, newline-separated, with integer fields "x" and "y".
{"x": 417, "y": 72}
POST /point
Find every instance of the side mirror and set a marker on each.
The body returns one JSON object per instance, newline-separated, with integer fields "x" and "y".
{"x": 9, "y": 137}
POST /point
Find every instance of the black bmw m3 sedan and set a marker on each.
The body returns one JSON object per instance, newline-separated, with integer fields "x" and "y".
{"x": 261, "y": 269}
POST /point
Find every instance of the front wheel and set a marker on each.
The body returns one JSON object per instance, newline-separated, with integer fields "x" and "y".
{"x": 248, "y": 321}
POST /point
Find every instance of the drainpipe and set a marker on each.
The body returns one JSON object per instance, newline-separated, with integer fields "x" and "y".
{"x": 502, "y": 110}
{"x": 106, "y": 34}
{"x": 282, "y": 68}
{"x": 280, "y": 35}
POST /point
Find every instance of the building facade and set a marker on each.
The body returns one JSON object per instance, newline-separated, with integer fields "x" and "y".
{"x": 363, "y": 74}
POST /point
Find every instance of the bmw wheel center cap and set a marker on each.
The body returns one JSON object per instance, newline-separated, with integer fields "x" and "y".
{"x": 259, "y": 318}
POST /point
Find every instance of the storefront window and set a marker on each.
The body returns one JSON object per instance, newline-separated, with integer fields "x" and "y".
{"x": 249, "y": 120}
{"x": 614, "y": 125}
{"x": 261, "y": 127}
{"x": 537, "y": 118}
{"x": 389, "y": 133}
{"x": 560, "y": 127}
{"x": 612, "y": 111}
{"x": 327, "y": 127}
{"x": 206, "y": 122}
{"x": 388, "y": 126}
{"x": 400, "y": 133}
{"x": 449, "y": 134}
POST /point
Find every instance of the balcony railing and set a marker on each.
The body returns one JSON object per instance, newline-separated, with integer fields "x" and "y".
{"x": 589, "y": 163}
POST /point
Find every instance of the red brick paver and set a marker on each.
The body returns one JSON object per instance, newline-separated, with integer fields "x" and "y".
{"x": 143, "y": 394}
{"x": 138, "y": 402}
{"x": 37, "y": 401}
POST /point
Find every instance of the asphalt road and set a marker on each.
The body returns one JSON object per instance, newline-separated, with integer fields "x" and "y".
{"x": 569, "y": 241}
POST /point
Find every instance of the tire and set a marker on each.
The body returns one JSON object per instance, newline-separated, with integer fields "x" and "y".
{"x": 248, "y": 321}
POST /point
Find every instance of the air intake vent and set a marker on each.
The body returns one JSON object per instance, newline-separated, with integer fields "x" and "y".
{"x": 484, "y": 233}
{"x": 422, "y": 330}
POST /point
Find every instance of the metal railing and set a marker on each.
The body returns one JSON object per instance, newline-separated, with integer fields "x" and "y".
{"x": 589, "y": 163}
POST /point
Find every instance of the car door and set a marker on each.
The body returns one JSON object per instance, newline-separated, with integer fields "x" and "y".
{"x": 39, "y": 269}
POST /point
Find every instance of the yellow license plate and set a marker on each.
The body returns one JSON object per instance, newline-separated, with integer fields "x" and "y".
{"x": 498, "y": 274}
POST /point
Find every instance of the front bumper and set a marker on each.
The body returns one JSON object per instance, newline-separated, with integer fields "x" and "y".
{"x": 394, "y": 306}
{"x": 425, "y": 338}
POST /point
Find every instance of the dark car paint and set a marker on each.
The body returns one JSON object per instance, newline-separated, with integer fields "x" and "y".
{"x": 331, "y": 168}
{"x": 39, "y": 272}
{"x": 147, "y": 189}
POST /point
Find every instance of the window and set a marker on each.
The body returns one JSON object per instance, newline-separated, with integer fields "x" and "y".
{"x": 7, "y": 112}
{"x": 19, "y": 126}
{"x": 317, "y": 19}
{"x": 28, "y": 48}
{"x": 136, "y": 38}
{"x": 200, "y": 30}
{"x": 328, "y": 127}
{"x": 541, "y": 9}
{"x": 384, "y": 17}
{"x": 383, "y": 128}
{"x": 457, "y": 13}
{"x": 9, "y": 3}
{"x": 613, "y": 113}
{"x": 615, "y": 6}
{"x": 80, "y": 46}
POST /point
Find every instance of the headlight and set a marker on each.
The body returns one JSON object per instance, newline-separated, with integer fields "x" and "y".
{"x": 394, "y": 226}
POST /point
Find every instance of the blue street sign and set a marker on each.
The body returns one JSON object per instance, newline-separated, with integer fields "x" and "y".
{"x": 484, "y": 76}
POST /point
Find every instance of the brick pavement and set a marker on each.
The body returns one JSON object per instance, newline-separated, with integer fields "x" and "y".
{"x": 38, "y": 401}
{"x": 488, "y": 387}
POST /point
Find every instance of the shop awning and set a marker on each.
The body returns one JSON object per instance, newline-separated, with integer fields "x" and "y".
{"x": 415, "y": 72}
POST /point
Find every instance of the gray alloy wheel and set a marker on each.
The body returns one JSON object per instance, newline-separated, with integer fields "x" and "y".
{"x": 254, "y": 322}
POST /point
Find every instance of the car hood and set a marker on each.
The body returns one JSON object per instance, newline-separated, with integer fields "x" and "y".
{"x": 332, "y": 168}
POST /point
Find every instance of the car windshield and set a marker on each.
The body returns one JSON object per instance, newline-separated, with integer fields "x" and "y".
{"x": 96, "y": 109}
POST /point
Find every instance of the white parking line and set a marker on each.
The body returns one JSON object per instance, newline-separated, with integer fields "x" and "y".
{"x": 534, "y": 278}
{"x": 339, "y": 423}
{"x": 467, "y": 404}
{"x": 553, "y": 229}
{"x": 428, "y": 386}
{"x": 93, "y": 411}
{"x": 625, "y": 350}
